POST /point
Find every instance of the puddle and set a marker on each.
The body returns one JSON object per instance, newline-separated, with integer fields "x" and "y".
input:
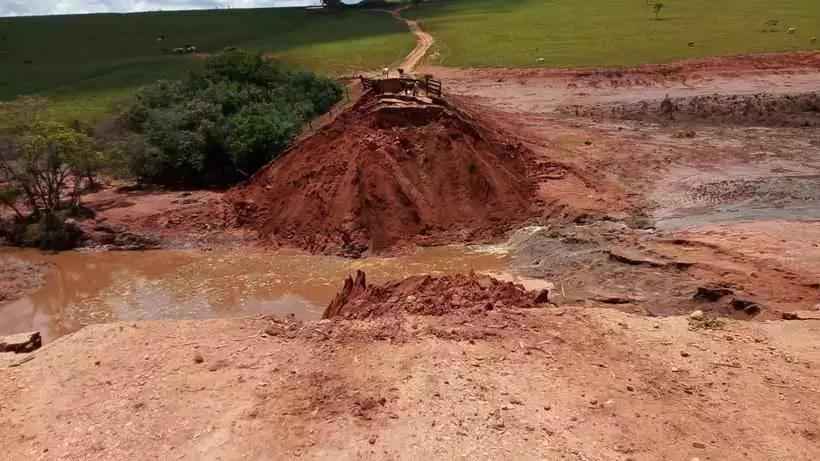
{"x": 84, "y": 288}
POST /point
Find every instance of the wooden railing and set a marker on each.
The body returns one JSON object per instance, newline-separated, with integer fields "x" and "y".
{"x": 408, "y": 85}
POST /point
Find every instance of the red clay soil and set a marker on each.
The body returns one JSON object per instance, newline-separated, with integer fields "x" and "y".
{"x": 389, "y": 172}
{"x": 649, "y": 74}
{"x": 428, "y": 295}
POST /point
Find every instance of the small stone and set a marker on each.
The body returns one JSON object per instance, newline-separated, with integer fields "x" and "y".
{"x": 547, "y": 407}
{"x": 21, "y": 343}
{"x": 790, "y": 316}
{"x": 630, "y": 388}
{"x": 593, "y": 402}
{"x": 696, "y": 315}
{"x": 684, "y": 354}
{"x": 698, "y": 445}
{"x": 198, "y": 358}
{"x": 543, "y": 297}
{"x": 372, "y": 440}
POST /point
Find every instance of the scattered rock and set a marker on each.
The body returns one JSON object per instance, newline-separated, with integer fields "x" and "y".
{"x": 22, "y": 343}
{"x": 543, "y": 297}
{"x": 749, "y": 307}
{"x": 790, "y": 316}
{"x": 711, "y": 293}
{"x": 684, "y": 354}
{"x": 700, "y": 445}
{"x": 696, "y": 315}
{"x": 198, "y": 358}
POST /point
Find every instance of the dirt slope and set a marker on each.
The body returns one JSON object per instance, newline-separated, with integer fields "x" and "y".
{"x": 568, "y": 383}
{"x": 385, "y": 173}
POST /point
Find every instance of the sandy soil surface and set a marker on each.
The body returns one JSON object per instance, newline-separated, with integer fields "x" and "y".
{"x": 544, "y": 383}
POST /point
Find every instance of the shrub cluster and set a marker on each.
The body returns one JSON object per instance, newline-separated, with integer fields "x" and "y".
{"x": 222, "y": 124}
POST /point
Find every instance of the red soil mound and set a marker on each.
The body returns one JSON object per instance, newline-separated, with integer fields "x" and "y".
{"x": 428, "y": 295}
{"x": 387, "y": 172}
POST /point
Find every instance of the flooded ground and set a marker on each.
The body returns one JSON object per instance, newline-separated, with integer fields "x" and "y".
{"x": 94, "y": 287}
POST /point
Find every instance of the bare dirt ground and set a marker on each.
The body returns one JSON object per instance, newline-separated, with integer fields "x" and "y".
{"x": 507, "y": 383}
{"x": 133, "y": 218}
{"x": 675, "y": 177}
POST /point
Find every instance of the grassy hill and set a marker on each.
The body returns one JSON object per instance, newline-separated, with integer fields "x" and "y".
{"x": 87, "y": 63}
{"x": 580, "y": 33}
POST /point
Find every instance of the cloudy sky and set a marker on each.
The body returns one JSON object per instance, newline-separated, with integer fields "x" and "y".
{"x": 40, "y": 7}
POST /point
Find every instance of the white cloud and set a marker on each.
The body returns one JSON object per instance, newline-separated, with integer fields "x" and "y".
{"x": 42, "y": 7}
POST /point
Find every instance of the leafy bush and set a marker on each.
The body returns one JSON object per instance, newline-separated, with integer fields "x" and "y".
{"x": 224, "y": 123}
{"x": 45, "y": 167}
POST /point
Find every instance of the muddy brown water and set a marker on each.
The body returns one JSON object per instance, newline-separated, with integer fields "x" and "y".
{"x": 94, "y": 287}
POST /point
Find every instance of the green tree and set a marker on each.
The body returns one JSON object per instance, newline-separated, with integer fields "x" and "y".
{"x": 222, "y": 124}
{"x": 47, "y": 165}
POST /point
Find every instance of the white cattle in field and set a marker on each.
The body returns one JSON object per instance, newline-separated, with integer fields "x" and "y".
{"x": 385, "y": 72}
{"x": 792, "y": 30}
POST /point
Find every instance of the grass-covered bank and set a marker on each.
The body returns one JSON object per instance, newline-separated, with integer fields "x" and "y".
{"x": 572, "y": 33}
{"x": 86, "y": 64}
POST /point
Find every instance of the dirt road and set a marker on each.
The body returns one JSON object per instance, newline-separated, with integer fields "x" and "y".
{"x": 423, "y": 41}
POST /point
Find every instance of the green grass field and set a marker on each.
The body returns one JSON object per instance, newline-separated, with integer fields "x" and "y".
{"x": 584, "y": 33}
{"x": 86, "y": 64}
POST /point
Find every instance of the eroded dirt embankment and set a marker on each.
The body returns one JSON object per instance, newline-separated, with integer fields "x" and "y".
{"x": 429, "y": 295}
{"x": 389, "y": 172}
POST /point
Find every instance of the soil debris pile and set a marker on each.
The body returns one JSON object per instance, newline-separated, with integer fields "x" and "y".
{"x": 390, "y": 171}
{"x": 429, "y": 295}
{"x": 763, "y": 109}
